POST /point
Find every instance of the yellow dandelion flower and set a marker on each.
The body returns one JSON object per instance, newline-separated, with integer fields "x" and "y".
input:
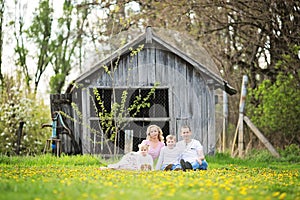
{"x": 282, "y": 196}
{"x": 229, "y": 198}
{"x": 275, "y": 194}
{"x": 243, "y": 191}
{"x": 85, "y": 195}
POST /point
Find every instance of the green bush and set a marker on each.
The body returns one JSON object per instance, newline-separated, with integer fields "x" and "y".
{"x": 258, "y": 155}
{"x": 16, "y": 107}
{"x": 275, "y": 109}
{"x": 291, "y": 153}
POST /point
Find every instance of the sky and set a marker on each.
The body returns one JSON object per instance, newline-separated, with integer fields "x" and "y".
{"x": 27, "y": 9}
{"x": 8, "y": 66}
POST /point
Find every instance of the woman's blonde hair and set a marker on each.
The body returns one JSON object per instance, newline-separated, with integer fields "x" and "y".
{"x": 160, "y": 133}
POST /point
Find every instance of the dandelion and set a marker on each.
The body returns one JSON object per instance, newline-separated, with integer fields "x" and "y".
{"x": 282, "y": 196}
{"x": 275, "y": 194}
{"x": 229, "y": 198}
{"x": 85, "y": 195}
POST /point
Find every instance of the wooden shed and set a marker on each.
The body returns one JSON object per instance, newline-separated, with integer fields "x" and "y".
{"x": 187, "y": 77}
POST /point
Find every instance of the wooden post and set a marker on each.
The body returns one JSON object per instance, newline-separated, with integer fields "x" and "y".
{"x": 241, "y": 116}
{"x": 234, "y": 139}
{"x": 261, "y": 137}
{"x": 19, "y": 136}
{"x": 128, "y": 141}
{"x": 225, "y": 119}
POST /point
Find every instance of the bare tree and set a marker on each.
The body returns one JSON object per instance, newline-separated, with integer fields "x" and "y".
{"x": 65, "y": 44}
{"x": 39, "y": 33}
{"x": 2, "y": 3}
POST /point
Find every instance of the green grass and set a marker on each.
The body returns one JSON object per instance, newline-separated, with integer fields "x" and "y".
{"x": 79, "y": 177}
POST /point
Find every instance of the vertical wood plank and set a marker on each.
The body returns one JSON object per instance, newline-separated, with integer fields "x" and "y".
{"x": 225, "y": 120}
{"x": 151, "y": 66}
{"x": 160, "y": 74}
{"x": 85, "y": 132}
{"x": 142, "y": 67}
{"x": 241, "y": 116}
{"x": 211, "y": 123}
{"x": 132, "y": 63}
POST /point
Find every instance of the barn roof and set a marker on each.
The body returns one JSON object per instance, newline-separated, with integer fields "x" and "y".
{"x": 180, "y": 44}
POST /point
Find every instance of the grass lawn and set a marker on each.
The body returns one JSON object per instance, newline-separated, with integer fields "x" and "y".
{"x": 78, "y": 177}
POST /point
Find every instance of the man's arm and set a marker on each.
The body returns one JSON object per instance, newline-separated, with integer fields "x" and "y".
{"x": 201, "y": 156}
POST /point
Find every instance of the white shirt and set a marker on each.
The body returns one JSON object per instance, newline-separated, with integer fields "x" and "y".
{"x": 189, "y": 151}
{"x": 145, "y": 160}
{"x": 168, "y": 156}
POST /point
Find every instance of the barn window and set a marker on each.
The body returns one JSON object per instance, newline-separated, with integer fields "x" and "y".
{"x": 136, "y": 122}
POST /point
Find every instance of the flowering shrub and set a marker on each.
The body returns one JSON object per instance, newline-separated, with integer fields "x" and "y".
{"x": 14, "y": 109}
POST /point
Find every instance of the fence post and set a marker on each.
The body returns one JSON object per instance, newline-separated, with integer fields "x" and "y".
{"x": 19, "y": 135}
{"x": 241, "y": 116}
{"x": 225, "y": 119}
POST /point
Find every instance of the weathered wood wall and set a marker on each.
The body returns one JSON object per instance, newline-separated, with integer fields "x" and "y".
{"x": 62, "y": 103}
{"x": 191, "y": 99}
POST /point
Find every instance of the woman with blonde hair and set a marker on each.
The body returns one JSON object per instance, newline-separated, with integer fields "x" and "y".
{"x": 155, "y": 140}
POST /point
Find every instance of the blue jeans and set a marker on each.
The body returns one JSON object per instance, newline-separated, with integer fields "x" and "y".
{"x": 203, "y": 166}
{"x": 174, "y": 166}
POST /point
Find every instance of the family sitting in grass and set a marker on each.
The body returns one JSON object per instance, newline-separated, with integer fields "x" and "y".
{"x": 186, "y": 154}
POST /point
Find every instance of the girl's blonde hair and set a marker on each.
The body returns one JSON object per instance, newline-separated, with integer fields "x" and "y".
{"x": 143, "y": 146}
{"x": 160, "y": 133}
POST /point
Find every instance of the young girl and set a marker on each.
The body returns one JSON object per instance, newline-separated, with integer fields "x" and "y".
{"x": 145, "y": 161}
{"x": 140, "y": 160}
{"x": 169, "y": 156}
{"x": 154, "y": 140}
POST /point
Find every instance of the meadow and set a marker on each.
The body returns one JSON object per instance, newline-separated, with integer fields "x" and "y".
{"x": 79, "y": 177}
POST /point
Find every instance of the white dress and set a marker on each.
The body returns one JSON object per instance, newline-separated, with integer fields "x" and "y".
{"x": 132, "y": 161}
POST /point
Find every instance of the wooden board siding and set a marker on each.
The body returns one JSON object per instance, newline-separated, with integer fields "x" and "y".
{"x": 85, "y": 121}
{"x": 211, "y": 123}
{"x": 190, "y": 100}
{"x": 151, "y": 79}
{"x": 142, "y": 68}
{"x": 61, "y": 103}
{"x": 188, "y": 79}
{"x": 77, "y": 130}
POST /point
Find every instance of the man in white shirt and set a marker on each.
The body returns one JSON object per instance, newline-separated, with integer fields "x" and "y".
{"x": 192, "y": 155}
